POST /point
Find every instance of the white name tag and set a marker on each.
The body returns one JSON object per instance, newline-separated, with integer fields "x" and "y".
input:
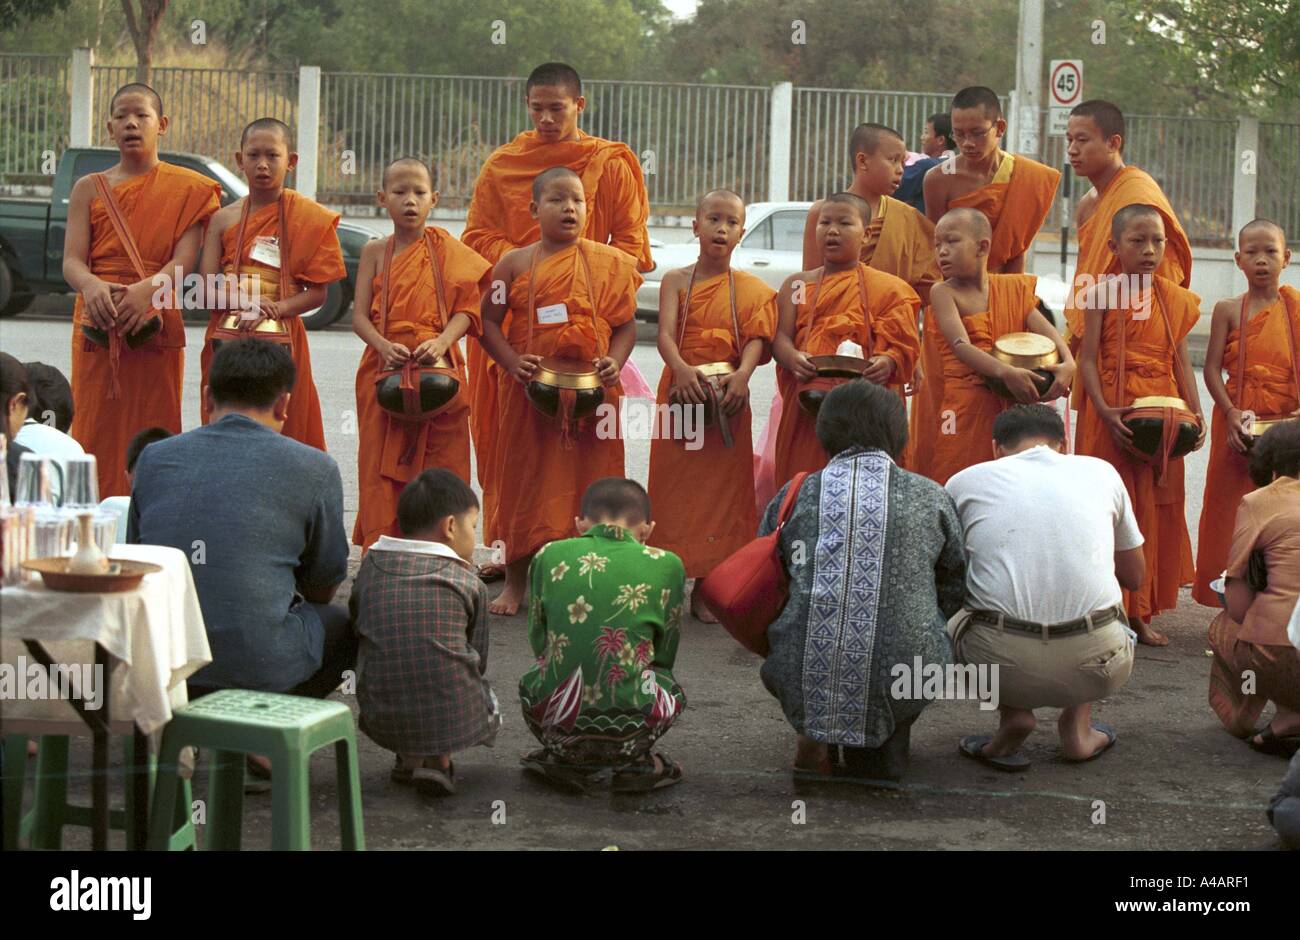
{"x": 553, "y": 313}
{"x": 266, "y": 250}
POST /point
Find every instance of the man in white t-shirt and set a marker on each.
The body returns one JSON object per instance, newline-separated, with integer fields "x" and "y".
{"x": 1050, "y": 538}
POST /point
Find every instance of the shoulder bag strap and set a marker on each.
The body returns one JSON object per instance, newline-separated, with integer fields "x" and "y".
{"x": 118, "y": 222}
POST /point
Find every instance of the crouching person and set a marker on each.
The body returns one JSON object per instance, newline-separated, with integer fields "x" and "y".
{"x": 604, "y": 620}
{"x": 1050, "y": 539}
{"x": 421, "y": 614}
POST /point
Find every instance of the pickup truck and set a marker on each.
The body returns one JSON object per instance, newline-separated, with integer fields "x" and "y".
{"x": 32, "y": 230}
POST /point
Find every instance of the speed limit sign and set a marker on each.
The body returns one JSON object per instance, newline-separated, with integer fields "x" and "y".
{"x": 1064, "y": 91}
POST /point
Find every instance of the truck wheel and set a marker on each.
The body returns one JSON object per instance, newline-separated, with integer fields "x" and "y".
{"x": 336, "y": 301}
{"x": 11, "y": 303}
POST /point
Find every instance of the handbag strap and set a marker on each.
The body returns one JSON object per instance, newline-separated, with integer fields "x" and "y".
{"x": 1241, "y": 351}
{"x": 118, "y": 221}
{"x": 440, "y": 296}
{"x": 735, "y": 320}
{"x": 532, "y": 291}
{"x": 282, "y": 243}
{"x": 787, "y": 504}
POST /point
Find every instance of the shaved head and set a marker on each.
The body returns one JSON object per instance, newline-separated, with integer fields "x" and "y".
{"x": 977, "y": 96}
{"x": 137, "y": 88}
{"x": 268, "y": 124}
{"x": 867, "y": 139}
{"x": 1261, "y": 225}
{"x": 973, "y": 222}
{"x": 409, "y": 163}
{"x": 1130, "y": 214}
{"x": 541, "y": 180}
{"x": 849, "y": 199}
{"x": 720, "y": 194}
{"x": 1107, "y": 117}
{"x": 558, "y": 75}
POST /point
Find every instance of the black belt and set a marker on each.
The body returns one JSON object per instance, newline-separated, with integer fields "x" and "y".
{"x": 1098, "y": 618}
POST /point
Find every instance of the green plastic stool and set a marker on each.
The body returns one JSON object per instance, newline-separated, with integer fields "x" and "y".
{"x": 286, "y": 728}
{"x": 51, "y": 811}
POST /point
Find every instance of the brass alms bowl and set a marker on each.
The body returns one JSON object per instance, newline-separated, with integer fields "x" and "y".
{"x": 554, "y": 375}
{"x": 1031, "y": 351}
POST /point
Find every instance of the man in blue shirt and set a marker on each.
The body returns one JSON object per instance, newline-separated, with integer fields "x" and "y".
{"x": 260, "y": 516}
{"x": 936, "y": 146}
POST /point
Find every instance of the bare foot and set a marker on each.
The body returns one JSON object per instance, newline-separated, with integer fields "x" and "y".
{"x": 699, "y": 611}
{"x": 1148, "y": 635}
{"x": 1091, "y": 742}
{"x": 506, "y": 604}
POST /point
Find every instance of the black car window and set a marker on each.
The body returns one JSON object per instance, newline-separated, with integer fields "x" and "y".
{"x": 93, "y": 161}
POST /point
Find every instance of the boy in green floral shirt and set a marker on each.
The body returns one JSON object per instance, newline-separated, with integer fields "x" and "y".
{"x": 604, "y": 619}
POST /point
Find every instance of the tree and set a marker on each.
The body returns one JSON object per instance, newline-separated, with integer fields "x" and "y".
{"x": 143, "y": 26}
{"x": 13, "y": 12}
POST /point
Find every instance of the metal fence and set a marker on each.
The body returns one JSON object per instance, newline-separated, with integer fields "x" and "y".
{"x": 35, "y": 107}
{"x": 687, "y": 137}
{"x": 207, "y": 108}
{"x": 1278, "y": 175}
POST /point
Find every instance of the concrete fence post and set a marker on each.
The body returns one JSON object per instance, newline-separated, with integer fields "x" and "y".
{"x": 781, "y": 125}
{"x": 80, "y": 130}
{"x": 1245, "y": 174}
{"x": 308, "y": 135}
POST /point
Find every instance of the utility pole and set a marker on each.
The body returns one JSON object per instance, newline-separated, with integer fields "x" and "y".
{"x": 1029, "y": 77}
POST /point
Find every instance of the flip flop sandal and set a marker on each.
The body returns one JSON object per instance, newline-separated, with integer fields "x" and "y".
{"x": 434, "y": 781}
{"x": 643, "y": 778}
{"x": 1276, "y": 745}
{"x": 973, "y": 746}
{"x": 564, "y": 776}
{"x": 1111, "y": 738}
{"x": 489, "y": 574}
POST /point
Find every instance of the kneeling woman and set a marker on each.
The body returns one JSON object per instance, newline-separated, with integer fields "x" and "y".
{"x": 877, "y": 566}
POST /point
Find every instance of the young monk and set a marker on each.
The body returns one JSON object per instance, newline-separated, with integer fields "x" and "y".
{"x": 1156, "y": 316}
{"x": 303, "y": 257}
{"x": 136, "y": 381}
{"x": 898, "y": 239}
{"x": 709, "y": 313}
{"x": 1266, "y": 389}
{"x": 499, "y": 220}
{"x": 435, "y": 287}
{"x": 970, "y": 310}
{"x": 841, "y": 300}
{"x": 571, "y": 298}
{"x": 1014, "y": 192}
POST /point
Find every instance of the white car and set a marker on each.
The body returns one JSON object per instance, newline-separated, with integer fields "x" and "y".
{"x": 771, "y": 249}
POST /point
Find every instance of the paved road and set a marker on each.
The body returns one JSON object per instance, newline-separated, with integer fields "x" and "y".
{"x": 1175, "y": 780}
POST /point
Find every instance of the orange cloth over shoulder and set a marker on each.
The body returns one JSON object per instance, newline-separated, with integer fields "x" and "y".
{"x": 1016, "y": 209}
{"x": 900, "y": 241}
{"x": 1270, "y": 392}
{"x": 959, "y": 432}
{"x": 540, "y": 482}
{"x": 703, "y": 498}
{"x": 313, "y": 257}
{"x": 159, "y": 207}
{"x": 618, "y": 208}
{"x": 1150, "y": 349}
{"x": 415, "y": 315}
{"x": 831, "y": 313}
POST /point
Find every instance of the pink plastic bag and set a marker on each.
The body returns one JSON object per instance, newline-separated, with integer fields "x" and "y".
{"x": 634, "y": 383}
{"x": 765, "y": 458}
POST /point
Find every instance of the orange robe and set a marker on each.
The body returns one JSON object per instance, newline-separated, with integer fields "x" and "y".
{"x": 838, "y": 316}
{"x": 959, "y": 432}
{"x": 703, "y": 500}
{"x": 900, "y": 241}
{"x": 1270, "y": 391}
{"x": 159, "y": 207}
{"x": 1016, "y": 207}
{"x": 314, "y": 257}
{"x": 498, "y": 221}
{"x": 541, "y": 481}
{"x": 414, "y": 318}
{"x": 1159, "y": 509}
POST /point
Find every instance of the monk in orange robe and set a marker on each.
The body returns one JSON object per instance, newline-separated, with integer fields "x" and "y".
{"x": 969, "y": 311}
{"x": 843, "y": 301}
{"x": 569, "y": 298}
{"x": 289, "y": 242}
{"x": 1156, "y": 316}
{"x": 1266, "y": 389}
{"x": 434, "y": 288}
{"x": 498, "y": 220}
{"x": 703, "y": 488}
{"x": 138, "y": 219}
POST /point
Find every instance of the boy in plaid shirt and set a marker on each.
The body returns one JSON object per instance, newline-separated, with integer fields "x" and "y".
{"x": 422, "y": 617}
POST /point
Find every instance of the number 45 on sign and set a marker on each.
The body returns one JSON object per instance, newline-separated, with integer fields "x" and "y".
{"x": 1064, "y": 91}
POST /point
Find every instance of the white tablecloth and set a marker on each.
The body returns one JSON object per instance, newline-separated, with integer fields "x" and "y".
{"x": 154, "y": 634}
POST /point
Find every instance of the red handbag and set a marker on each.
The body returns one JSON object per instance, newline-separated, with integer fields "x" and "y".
{"x": 748, "y": 590}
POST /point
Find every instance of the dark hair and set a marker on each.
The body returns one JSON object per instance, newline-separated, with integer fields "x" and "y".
{"x": 1138, "y": 210}
{"x": 942, "y": 124}
{"x": 135, "y": 88}
{"x": 48, "y": 390}
{"x": 851, "y": 199}
{"x": 142, "y": 440}
{"x": 867, "y": 139}
{"x": 431, "y": 497}
{"x": 978, "y": 96}
{"x": 429, "y": 169}
{"x": 862, "y": 414}
{"x": 1108, "y": 117}
{"x": 555, "y": 73}
{"x": 251, "y": 372}
{"x": 548, "y": 174}
{"x": 616, "y": 498}
{"x": 1027, "y": 422}
{"x": 13, "y": 381}
{"x": 1276, "y": 453}
{"x": 268, "y": 124}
